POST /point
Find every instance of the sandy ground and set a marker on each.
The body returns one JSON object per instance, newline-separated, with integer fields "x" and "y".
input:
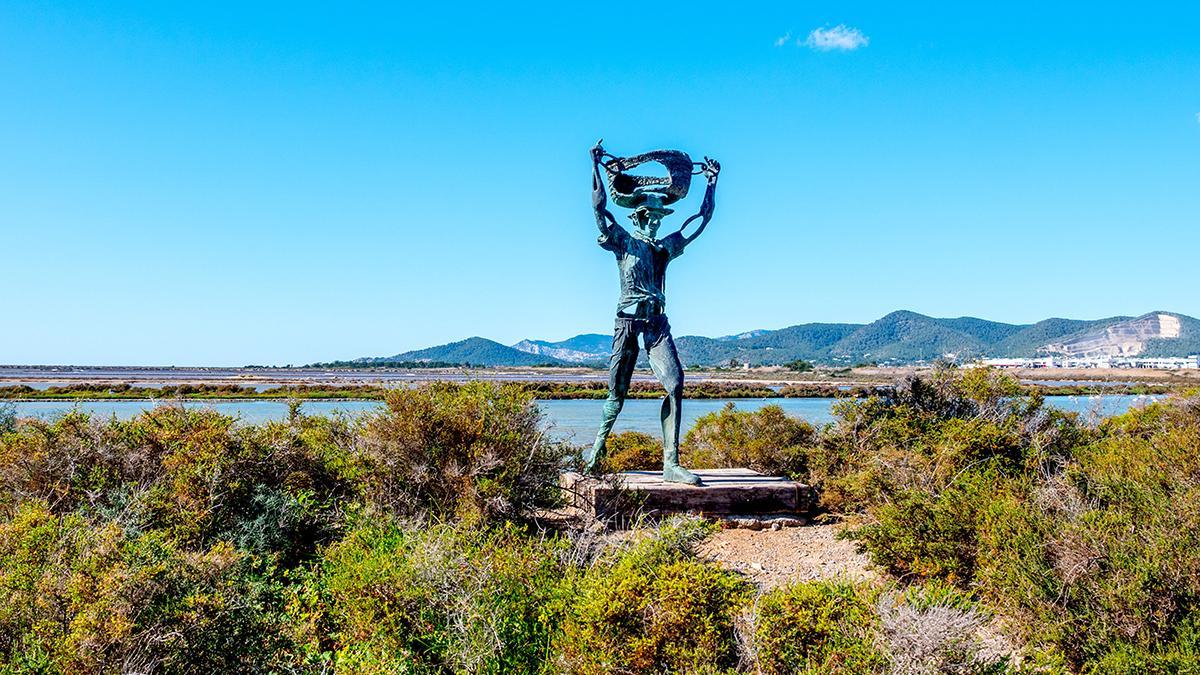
{"x": 772, "y": 558}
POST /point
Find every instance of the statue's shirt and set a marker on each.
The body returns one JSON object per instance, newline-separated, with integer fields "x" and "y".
{"x": 642, "y": 264}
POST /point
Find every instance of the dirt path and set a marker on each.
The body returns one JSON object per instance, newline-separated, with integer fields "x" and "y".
{"x": 771, "y": 558}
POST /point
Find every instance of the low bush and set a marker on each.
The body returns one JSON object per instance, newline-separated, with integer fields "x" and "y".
{"x": 918, "y": 534}
{"x": 924, "y": 435}
{"x": 8, "y": 417}
{"x": 274, "y": 489}
{"x": 76, "y": 597}
{"x": 652, "y": 608}
{"x": 423, "y": 597}
{"x": 475, "y": 451}
{"x": 766, "y": 440}
{"x": 840, "y": 626}
{"x": 935, "y": 628}
{"x": 431, "y": 598}
{"x": 818, "y": 627}
{"x": 632, "y": 451}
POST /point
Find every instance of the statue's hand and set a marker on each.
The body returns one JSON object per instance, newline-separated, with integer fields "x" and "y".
{"x": 711, "y": 168}
{"x": 598, "y": 151}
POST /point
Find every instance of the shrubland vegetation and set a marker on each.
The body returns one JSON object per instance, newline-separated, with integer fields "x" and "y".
{"x": 1086, "y": 539}
{"x": 632, "y": 451}
{"x": 542, "y": 389}
{"x": 408, "y": 540}
{"x": 766, "y": 440}
{"x": 642, "y": 389}
{"x": 800, "y": 366}
{"x": 537, "y": 389}
{"x": 192, "y": 391}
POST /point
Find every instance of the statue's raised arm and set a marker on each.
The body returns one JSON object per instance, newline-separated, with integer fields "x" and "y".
{"x": 711, "y": 169}
{"x": 604, "y": 218}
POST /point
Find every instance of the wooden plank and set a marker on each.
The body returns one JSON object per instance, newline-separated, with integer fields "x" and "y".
{"x": 725, "y": 492}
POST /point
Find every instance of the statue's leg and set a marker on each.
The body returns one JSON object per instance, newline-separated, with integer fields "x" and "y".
{"x": 664, "y": 361}
{"x": 620, "y": 373}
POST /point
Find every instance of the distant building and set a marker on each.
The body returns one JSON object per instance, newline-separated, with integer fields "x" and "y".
{"x": 1006, "y": 363}
{"x": 1084, "y": 362}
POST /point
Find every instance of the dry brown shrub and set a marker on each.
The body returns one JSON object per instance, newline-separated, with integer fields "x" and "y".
{"x": 476, "y": 451}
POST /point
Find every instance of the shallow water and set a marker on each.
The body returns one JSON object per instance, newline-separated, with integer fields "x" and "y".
{"x": 570, "y": 420}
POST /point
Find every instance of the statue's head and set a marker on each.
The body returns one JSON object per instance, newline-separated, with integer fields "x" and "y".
{"x": 648, "y": 215}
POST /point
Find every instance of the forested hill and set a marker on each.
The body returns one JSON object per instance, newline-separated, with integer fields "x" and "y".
{"x": 898, "y": 338}
{"x": 475, "y": 351}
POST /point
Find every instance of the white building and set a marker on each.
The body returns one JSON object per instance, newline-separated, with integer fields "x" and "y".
{"x": 1158, "y": 363}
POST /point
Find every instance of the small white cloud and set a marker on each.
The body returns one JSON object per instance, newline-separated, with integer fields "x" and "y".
{"x": 840, "y": 38}
{"x": 783, "y": 39}
{"x": 1198, "y": 118}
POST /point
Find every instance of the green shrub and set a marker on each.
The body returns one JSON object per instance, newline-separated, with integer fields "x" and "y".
{"x": 431, "y": 598}
{"x": 842, "y": 627}
{"x": 924, "y": 535}
{"x": 1126, "y": 660}
{"x": 190, "y": 472}
{"x": 1179, "y": 656}
{"x": 8, "y": 417}
{"x": 938, "y": 594}
{"x": 1100, "y": 561}
{"x": 81, "y": 598}
{"x": 818, "y": 627}
{"x": 799, "y": 366}
{"x": 766, "y": 440}
{"x": 1087, "y": 539}
{"x": 921, "y": 464}
{"x": 475, "y": 451}
{"x": 925, "y": 435}
{"x": 654, "y": 608}
{"x": 633, "y": 451}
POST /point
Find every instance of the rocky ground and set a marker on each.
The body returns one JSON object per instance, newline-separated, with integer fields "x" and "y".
{"x": 919, "y": 640}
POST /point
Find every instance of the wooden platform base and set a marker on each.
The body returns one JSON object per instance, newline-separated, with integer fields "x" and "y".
{"x": 725, "y": 492}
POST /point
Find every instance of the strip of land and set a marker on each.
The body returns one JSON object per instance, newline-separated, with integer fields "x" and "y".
{"x": 541, "y": 389}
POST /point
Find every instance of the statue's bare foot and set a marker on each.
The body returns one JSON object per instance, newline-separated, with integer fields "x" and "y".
{"x": 673, "y": 473}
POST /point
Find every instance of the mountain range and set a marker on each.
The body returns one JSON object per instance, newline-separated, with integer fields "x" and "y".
{"x": 899, "y": 338}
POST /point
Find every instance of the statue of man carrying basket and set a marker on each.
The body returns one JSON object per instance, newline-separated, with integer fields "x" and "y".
{"x": 642, "y": 260}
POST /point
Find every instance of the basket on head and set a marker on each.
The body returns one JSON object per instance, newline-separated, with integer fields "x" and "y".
{"x": 630, "y": 190}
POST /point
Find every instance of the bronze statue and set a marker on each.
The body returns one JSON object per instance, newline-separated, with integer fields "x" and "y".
{"x": 642, "y": 263}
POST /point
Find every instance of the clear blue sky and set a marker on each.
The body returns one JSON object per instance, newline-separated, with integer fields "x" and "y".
{"x": 210, "y": 183}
